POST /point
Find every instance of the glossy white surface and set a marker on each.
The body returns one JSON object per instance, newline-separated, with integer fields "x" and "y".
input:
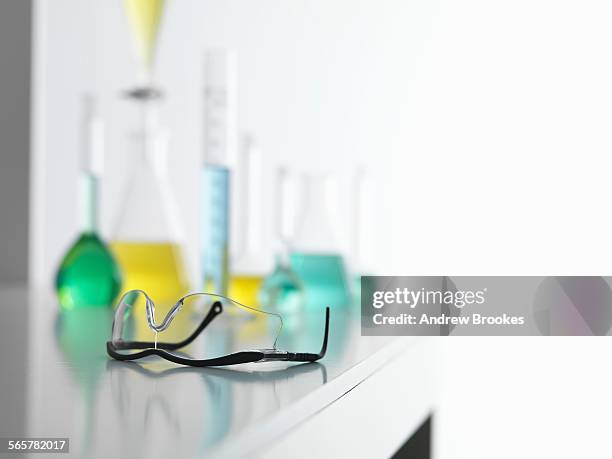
{"x": 63, "y": 384}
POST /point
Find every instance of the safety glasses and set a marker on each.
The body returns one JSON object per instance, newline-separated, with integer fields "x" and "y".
{"x": 234, "y": 333}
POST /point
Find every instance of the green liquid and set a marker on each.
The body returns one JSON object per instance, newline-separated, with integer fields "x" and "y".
{"x": 88, "y": 275}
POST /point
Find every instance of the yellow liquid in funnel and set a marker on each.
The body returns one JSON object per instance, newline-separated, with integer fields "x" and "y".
{"x": 145, "y": 17}
{"x": 157, "y": 269}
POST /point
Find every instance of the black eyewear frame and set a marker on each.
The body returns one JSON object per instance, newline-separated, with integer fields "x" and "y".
{"x": 258, "y": 355}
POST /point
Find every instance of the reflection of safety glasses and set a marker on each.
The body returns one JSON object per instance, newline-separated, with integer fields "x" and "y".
{"x": 231, "y": 328}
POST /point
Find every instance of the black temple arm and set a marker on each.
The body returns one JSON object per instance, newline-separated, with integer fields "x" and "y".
{"x": 231, "y": 359}
{"x": 308, "y": 357}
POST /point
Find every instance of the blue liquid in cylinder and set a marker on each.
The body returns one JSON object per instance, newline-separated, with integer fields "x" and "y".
{"x": 215, "y": 228}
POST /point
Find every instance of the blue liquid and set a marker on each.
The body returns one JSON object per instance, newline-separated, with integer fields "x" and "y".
{"x": 324, "y": 279}
{"x": 215, "y": 228}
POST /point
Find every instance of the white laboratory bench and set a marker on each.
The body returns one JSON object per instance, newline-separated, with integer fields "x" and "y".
{"x": 364, "y": 399}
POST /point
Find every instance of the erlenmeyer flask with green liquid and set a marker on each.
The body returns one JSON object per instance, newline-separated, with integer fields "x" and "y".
{"x": 88, "y": 275}
{"x": 147, "y": 240}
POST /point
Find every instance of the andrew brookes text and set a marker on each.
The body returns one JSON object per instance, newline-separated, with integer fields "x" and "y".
{"x": 426, "y": 319}
{"x": 458, "y": 299}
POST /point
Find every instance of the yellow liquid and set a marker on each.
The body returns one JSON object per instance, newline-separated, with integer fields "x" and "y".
{"x": 244, "y": 289}
{"x": 157, "y": 269}
{"x": 145, "y": 17}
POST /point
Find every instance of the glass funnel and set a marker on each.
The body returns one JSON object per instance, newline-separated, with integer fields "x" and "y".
{"x": 144, "y": 18}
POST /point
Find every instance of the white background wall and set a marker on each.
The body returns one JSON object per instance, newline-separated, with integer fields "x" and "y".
{"x": 487, "y": 123}
{"x": 486, "y": 120}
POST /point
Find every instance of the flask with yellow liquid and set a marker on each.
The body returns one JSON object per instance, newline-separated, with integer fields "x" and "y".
{"x": 147, "y": 240}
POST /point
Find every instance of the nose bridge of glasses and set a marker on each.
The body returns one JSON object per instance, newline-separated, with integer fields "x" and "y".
{"x": 167, "y": 320}
{"x": 125, "y": 303}
{"x": 216, "y": 309}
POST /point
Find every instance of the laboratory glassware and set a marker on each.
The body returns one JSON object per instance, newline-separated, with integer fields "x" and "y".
{"x": 282, "y": 289}
{"x": 144, "y": 18}
{"x": 147, "y": 238}
{"x": 316, "y": 255}
{"x": 211, "y": 332}
{"x": 219, "y": 152}
{"x": 88, "y": 275}
{"x": 247, "y": 256}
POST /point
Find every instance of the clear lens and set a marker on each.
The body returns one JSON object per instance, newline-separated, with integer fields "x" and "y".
{"x": 132, "y": 304}
{"x": 236, "y": 328}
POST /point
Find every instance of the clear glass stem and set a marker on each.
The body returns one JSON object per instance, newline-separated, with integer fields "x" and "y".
{"x": 89, "y": 202}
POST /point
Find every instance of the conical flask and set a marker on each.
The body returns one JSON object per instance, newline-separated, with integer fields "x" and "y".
{"x": 282, "y": 289}
{"x": 88, "y": 275}
{"x": 147, "y": 238}
{"x": 316, "y": 252}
